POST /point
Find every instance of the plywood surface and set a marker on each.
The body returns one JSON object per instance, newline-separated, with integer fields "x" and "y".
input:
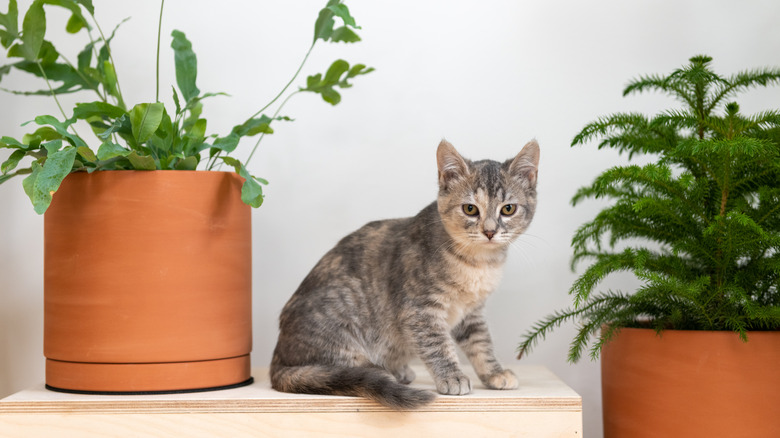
{"x": 539, "y": 390}
{"x": 543, "y": 407}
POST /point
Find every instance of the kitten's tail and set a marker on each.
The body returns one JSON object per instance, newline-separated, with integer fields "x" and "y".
{"x": 373, "y": 383}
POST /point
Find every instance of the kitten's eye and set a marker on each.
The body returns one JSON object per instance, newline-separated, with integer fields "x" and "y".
{"x": 508, "y": 210}
{"x": 470, "y": 209}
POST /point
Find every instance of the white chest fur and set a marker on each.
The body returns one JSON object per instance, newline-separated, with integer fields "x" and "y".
{"x": 471, "y": 286}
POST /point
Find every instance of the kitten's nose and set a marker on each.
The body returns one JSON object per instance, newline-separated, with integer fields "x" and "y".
{"x": 489, "y": 234}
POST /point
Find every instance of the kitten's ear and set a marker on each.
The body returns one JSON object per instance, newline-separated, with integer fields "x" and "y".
{"x": 451, "y": 165}
{"x": 526, "y": 164}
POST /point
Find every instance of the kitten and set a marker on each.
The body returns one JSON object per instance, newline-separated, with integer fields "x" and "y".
{"x": 401, "y": 288}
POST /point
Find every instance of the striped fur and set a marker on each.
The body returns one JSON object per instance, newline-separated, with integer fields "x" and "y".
{"x": 414, "y": 287}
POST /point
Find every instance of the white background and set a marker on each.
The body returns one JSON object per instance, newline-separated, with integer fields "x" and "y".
{"x": 488, "y": 76}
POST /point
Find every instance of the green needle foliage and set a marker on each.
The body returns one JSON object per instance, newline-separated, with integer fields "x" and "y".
{"x": 146, "y": 136}
{"x": 699, "y": 227}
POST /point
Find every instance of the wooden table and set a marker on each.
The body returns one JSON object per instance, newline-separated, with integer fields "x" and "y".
{"x": 543, "y": 406}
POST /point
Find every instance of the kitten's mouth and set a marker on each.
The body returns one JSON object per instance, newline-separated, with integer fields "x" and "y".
{"x": 486, "y": 240}
{"x": 495, "y": 241}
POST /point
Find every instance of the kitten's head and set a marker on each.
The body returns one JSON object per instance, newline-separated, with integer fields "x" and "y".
{"x": 485, "y": 205}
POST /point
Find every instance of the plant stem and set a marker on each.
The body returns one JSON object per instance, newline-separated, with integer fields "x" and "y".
{"x": 159, "y": 31}
{"x": 97, "y": 91}
{"x": 210, "y": 162}
{"x": 120, "y": 99}
{"x": 724, "y": 196}
{"x": 54, "y": 95}
{"x": 297, "y": 72}
{"x": 95, "y": 53}
{"x": 288, "y": 84}
{"x": 276, "y": 114}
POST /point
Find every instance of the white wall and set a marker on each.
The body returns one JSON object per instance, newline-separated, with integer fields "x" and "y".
{"x": 486, "y": 75}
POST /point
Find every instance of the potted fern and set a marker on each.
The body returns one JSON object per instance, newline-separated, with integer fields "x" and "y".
{"x": 694, "y": 350}
{"x": 147, "y": 257}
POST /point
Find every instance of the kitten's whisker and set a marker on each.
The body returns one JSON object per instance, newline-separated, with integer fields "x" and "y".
{"x": 525, "y": 255}
{"x": 522, "y": 238}
{"x": 446, "y": 246}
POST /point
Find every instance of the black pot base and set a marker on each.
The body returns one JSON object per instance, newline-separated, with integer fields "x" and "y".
{"x": 247, "y": 382}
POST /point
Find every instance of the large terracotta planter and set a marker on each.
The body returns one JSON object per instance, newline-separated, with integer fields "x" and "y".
{"x": 691, "y": 384}
{"x": 147, "y": 282}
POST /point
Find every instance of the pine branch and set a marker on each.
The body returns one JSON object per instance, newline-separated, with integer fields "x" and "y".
{"x": 744, "y": 81}
{"x": 666, "y": 85}
{"x": 699, "y": 227}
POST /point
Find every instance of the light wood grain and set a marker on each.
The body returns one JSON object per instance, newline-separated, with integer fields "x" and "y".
{"x": 543, "y": 406}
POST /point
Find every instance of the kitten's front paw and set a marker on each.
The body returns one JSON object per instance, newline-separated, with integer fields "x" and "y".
{"x": 454, "y": 384}
{"x": 504, "y": 379}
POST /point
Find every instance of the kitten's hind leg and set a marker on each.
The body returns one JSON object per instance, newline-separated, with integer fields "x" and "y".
{"x": 404, "y": 374}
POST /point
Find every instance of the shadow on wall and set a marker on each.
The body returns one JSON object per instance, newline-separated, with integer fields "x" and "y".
{"x": 5, "y": 352}
{"x": 21, "y": 344}
{"x": 21, "y": 292}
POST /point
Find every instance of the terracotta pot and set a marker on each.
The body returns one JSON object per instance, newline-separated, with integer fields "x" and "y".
{"x": 147, "y": 282}
{"x": 691, "y": 384}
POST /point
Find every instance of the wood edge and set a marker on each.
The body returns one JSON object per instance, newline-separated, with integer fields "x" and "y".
{"x": 569, "y": 401}
{"x": 325, "y": 404}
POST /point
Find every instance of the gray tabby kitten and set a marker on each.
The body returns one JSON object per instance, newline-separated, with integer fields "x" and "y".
{"x": 400, "y": 288}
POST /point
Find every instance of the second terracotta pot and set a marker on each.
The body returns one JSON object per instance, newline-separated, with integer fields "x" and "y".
{"x": 147, "y": 282}
{"x": 691, "y": 384}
